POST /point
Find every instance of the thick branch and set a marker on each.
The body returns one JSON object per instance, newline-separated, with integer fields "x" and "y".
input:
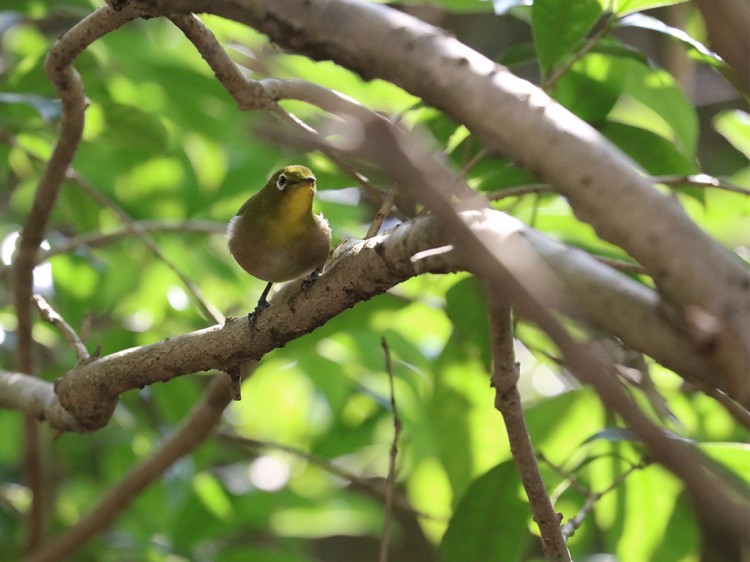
{"x": 514, "y": 117}
{"x": 510, "y": 262}
{"x": 360, "y": 270}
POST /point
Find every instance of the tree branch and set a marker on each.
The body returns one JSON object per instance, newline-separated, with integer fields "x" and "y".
{"x": 358, "y": 271}
{"x": 508, "y": 402}
{"x": 70, "y": 89}
{"x": 197, "y": 426}
{"x": 50, "y": 315}
{"x": 36, "y": 398}
{"x": 510, "y": 262}
{"x": 604, "y": 187}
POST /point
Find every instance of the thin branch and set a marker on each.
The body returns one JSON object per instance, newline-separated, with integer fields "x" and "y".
{"x": 382, "y": 214}
{"x": 79, "y": 181}
{"x": 373, "y": 487}
{"x": 97, "y": 239}
{"x": 622, "y": 265}
{"x": 700, "y": 180}
{"x": 569, "y": 479}
{"x": 508, "y": 402}
{"x": 195, "y": 428}
{"x": 392, "y": 457}
{"x": 572, "y": 525}
{"x": 50, "y": 315}
{"x": 740, "y": 414}
{"x": 69, "y": 87}
{"x": 260, "y": 94}
{"x": 520, "y": 190}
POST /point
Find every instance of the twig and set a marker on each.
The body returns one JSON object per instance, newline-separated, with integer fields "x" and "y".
{"x": 570, "y": 526}
{"x": 391, "y": 479}
{"x": 519, "y": 190}
{"x": 262, "y": 94}
{"x": 700, "y": 180}
{"x": 195, "y": 428}
{"x": 50, "y": 315}
{"x": 508, "y": 402}
{"x": 569, "y": 478}
{"x": 96, "y": 239}
{"x": 382, "y": 214}
{"x": 622, "y": 265}
{"x": 740, "y": 414}
{"x": 373, "y": 487}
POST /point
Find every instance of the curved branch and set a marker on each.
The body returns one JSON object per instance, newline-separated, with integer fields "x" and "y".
{"x": 70, "y": 89}
{"x": 197, "y": 426}
{"x": 360, "y": 270}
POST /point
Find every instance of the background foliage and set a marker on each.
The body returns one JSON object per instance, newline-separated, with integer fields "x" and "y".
{"x": 165, "y": 142}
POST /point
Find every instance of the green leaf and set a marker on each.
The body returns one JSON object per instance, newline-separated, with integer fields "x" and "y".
{"x": 624, "y": 7}
{"x": 592, "y": 87}
{"x": 735, "y": 127}
{"x": 490, "y": 522}
{"x": 559, "y": 26}
{"x": 652, "y": 100}
{"x": 655, "y": 154}
{"x": 467, "y": 309}
{"x": 647, "y": 22}
{"x": 735, "y": 457}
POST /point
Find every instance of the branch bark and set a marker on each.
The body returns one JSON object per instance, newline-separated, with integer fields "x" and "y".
{"x": 360, "y": 270}
{"x": 505, "y": 375}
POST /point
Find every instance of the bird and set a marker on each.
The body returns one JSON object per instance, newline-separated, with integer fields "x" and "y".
{"x": 275, "y": 235}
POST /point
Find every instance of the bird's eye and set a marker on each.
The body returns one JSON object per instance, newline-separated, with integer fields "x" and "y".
{"x": 281, "y": 182}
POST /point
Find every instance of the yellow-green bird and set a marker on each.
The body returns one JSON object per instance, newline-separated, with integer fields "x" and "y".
{"x": 276, "y": 236}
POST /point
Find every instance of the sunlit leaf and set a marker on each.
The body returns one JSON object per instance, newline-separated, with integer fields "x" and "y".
{"x": 623, "y": 7}
{"x": 735, "y": 127}
{"x": 647, "y": 22}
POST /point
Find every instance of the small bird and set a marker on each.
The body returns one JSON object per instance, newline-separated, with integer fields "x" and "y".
{"x": 276, "y": 236}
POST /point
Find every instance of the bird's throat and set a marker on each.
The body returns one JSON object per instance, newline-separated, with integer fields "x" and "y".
{"x": 296, "y": 211}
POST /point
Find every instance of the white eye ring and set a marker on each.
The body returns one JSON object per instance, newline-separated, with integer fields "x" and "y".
{"x": 281, "y": 182}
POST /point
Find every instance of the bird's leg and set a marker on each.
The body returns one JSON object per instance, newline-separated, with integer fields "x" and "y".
{"x": 262, "y": 304}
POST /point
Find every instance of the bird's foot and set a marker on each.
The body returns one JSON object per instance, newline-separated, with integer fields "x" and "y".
{"x": 253, "y": 316}
{"x": 310, "y": 280}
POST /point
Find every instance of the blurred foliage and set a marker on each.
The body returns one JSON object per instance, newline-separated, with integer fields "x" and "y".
{"x": 165, "y": 142}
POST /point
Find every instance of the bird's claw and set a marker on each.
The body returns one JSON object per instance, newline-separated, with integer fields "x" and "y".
{"x": 260, "y": 307}
{"x": 310, "y": 280}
